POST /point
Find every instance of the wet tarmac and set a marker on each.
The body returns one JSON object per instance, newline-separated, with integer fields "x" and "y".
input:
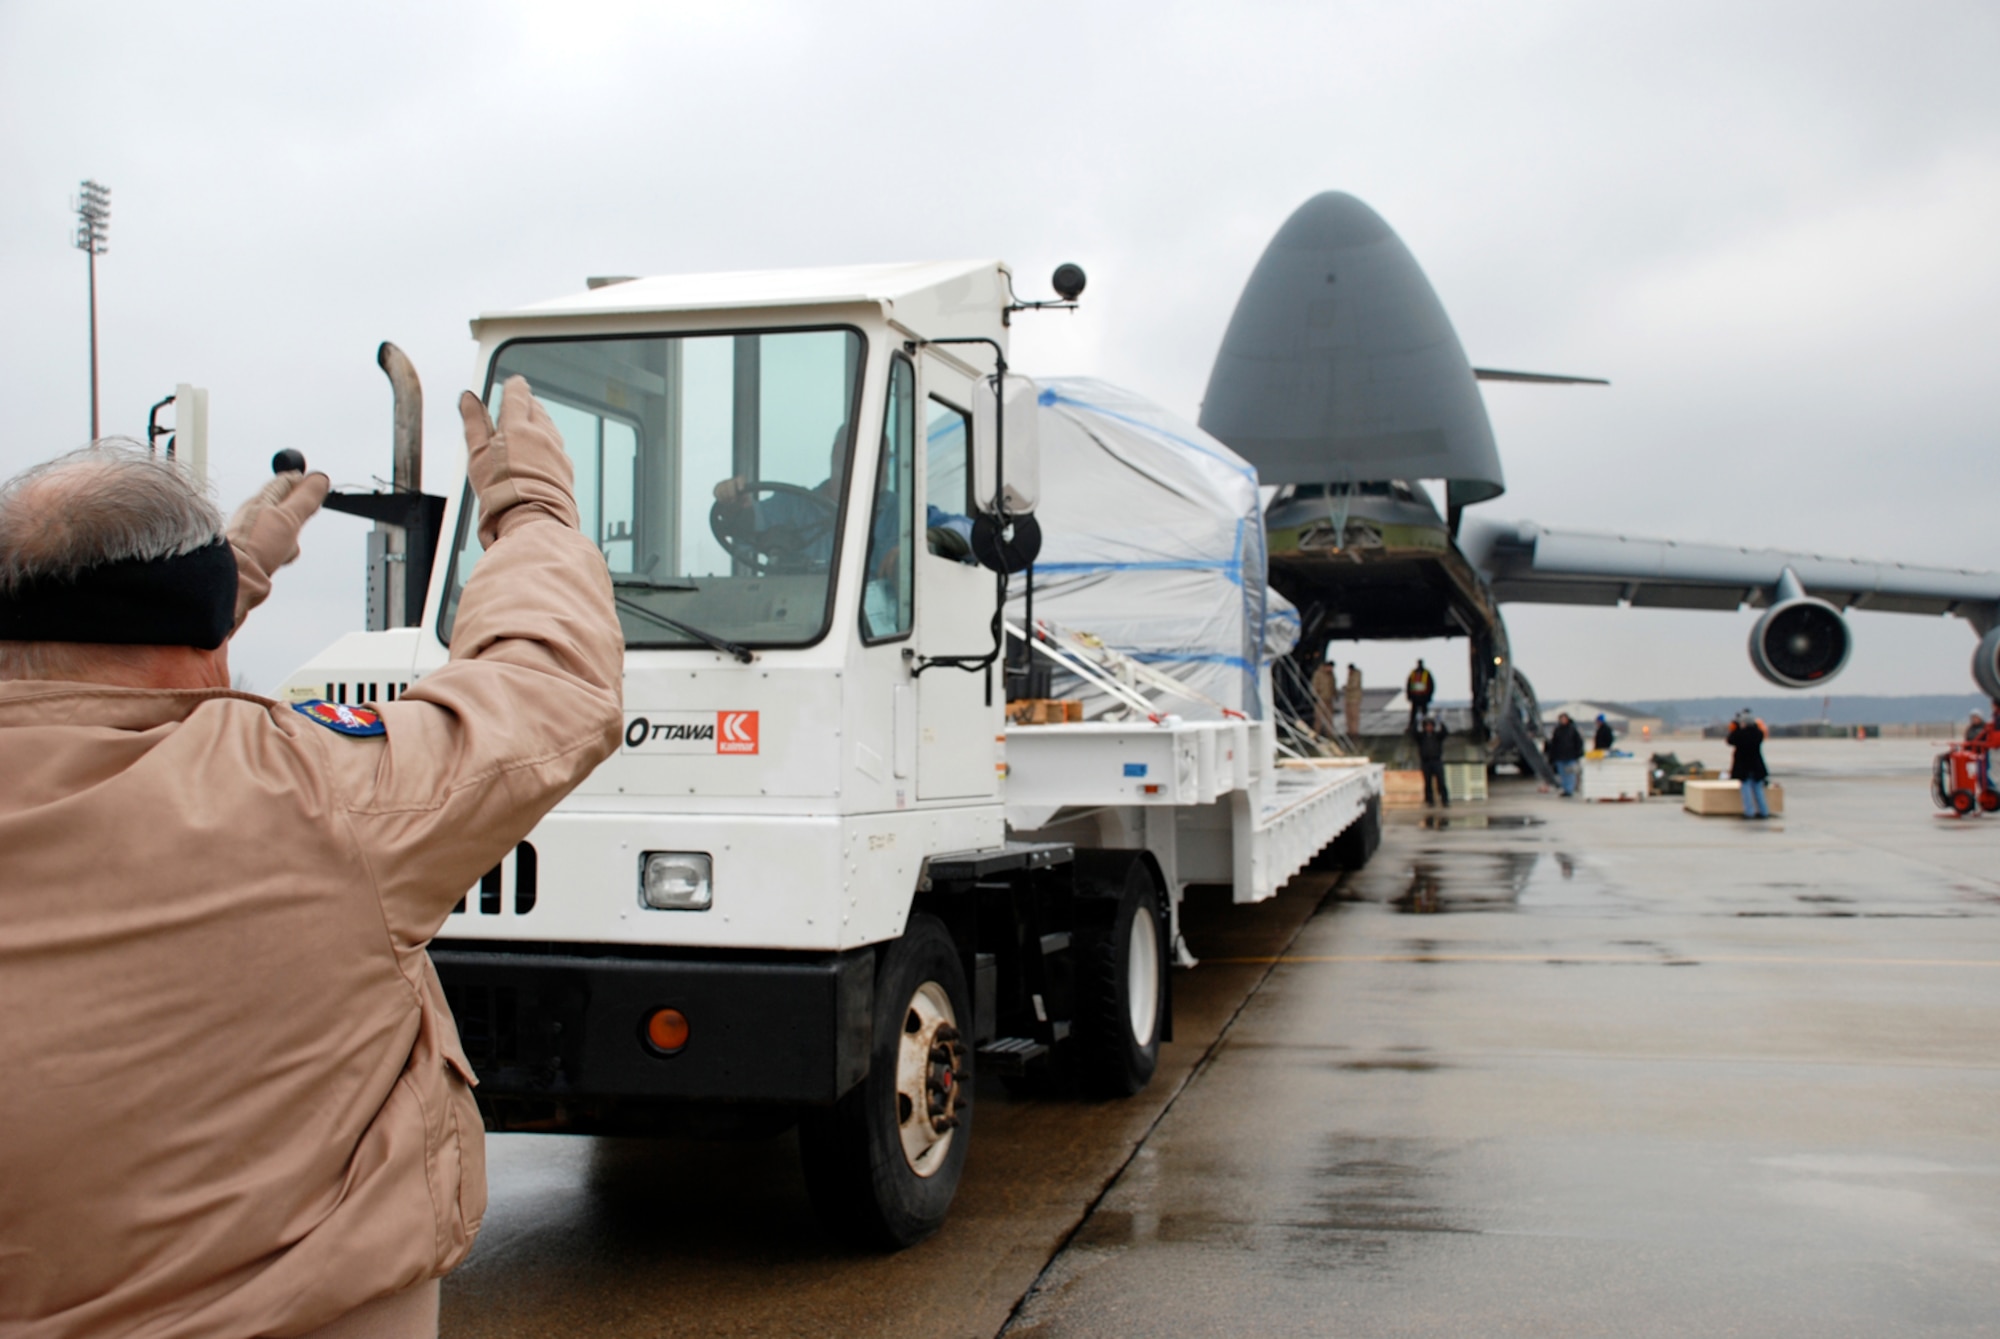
{"x": 1543, "y": 1068}
{"x": 1621, "y": 1071}
{"x": 589, "y": 1237}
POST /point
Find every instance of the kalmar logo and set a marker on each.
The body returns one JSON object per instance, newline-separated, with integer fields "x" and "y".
{"x": 736, "y": 732}
{"x": 690, "y": 733}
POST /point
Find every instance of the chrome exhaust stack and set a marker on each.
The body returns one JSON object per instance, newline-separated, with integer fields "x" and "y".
{"x": 403, "y": 545}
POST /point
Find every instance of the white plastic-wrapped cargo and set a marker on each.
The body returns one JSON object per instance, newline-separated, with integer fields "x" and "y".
{"x": 1153, "y": 542}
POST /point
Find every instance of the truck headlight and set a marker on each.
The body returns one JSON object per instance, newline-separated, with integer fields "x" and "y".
{"x": 676, "y": 881}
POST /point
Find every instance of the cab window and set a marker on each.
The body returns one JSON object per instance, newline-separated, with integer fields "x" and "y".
{"x": 948, "y": 459}
{"x": 709, "y": 472}
{"x": 948, "y": 481}
{"x": 885, "y": 602}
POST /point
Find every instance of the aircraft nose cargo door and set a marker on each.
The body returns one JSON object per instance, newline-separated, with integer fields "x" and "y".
{"x": 957, "y": 754}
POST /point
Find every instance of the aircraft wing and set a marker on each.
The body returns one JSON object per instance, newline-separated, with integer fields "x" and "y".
{"x": 1528, "y": 563}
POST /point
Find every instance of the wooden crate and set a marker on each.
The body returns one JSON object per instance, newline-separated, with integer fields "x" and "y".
{"x": 1712, "y": 797}
{"x": 1465, "y": 780}
{"x": 1044, "y": 711}
{"x": 1607, "y": 778}
{"x": 1403, "y": 790}
{"x": 1725, "y": 798}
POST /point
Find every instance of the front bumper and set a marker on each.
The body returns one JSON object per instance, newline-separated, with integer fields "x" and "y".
{"x": 565, "y": 1024}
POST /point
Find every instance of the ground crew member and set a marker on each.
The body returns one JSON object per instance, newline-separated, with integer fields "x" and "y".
{"x": 1430, "y": 757}
{"x": 1351, "y": 700}
{"x": 1985, "y": 731}
{"x": 1565, "y": 752}
{"x": 1746, "y": 738}
{"x": 1420, "y": 688}
{"x": 235, "y": 1102}
{"x": 1603, "y": 739}
{"x": 1325, "y": 688}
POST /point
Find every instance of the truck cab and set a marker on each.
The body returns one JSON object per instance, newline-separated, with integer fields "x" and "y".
{"x": 790, "y": 894}
{"x": 794, "y": 894}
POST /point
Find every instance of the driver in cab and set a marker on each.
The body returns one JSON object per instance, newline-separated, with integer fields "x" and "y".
{"x": 790, "y": 522}
{"x": 797, "y": 524}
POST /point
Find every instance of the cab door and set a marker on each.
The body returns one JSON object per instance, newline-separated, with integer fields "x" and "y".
{"x": 958, "y": 711}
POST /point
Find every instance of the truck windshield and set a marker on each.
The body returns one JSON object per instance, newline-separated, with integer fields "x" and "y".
{"x": 709, "y": 469}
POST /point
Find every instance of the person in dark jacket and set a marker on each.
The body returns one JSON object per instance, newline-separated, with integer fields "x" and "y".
{"x": 1565, "y": 752}
{"x": 1746, "y": 737}
{"x": 1603, "y": 739}
{"x": 1430, "y": 757}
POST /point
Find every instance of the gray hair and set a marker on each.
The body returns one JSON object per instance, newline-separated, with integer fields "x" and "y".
{"x": 112, "y": 501}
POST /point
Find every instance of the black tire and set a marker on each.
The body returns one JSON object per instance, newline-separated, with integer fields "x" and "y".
{"x": 866, "y": 1186}
{"x": 1121, "y": 1006}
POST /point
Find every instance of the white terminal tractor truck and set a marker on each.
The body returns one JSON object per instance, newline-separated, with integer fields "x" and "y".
{"x": 829, "y": 873}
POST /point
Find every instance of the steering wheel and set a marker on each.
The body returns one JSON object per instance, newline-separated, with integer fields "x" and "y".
{"x": 797, "y": 544}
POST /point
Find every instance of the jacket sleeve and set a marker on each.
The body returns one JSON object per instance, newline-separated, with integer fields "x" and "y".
{"x": 478, "y": 751}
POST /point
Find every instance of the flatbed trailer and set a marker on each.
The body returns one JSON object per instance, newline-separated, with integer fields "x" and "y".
{"x": 822, "y": 882}
{"x": 1212, "y": 801}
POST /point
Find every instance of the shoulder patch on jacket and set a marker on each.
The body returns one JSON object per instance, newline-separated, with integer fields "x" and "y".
{"x": 342, "y": 720}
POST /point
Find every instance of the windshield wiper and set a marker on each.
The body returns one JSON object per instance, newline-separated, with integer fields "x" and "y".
{"x": 639, "y": 581}
{"x": 709, "y": 639}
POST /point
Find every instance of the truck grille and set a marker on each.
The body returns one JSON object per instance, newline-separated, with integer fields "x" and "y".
{"x": 521, "y": 870}
{"x": 488, "y": 1023}
{"x": 521, "y": 1036}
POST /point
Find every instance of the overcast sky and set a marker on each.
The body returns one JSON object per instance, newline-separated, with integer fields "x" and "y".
{"x": 1775, "y": 227}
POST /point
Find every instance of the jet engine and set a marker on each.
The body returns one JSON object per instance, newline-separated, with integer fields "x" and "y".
{"x": 1986, "y": 664}
{"x": 1802, "y": 642}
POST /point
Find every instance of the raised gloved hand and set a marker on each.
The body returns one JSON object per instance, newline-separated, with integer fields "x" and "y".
{"x": 518, "y": 470}
{"x": 264, "y": 532}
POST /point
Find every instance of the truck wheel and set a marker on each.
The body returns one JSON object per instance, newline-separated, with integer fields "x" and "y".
{"x": 883, "y": 1163}
{"x": 1122, "y": 991}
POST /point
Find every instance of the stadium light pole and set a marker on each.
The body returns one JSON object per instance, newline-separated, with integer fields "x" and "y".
{"x": 93, "y": 238}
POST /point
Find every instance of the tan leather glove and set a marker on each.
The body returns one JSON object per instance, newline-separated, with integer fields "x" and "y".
{"x": 264, "y": 532}
{"x": 519, "y": 471}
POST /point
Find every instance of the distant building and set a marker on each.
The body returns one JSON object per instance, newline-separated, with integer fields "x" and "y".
{"x": 1626, "y": 721}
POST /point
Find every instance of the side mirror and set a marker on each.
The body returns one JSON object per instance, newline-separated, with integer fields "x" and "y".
{"x": 1006, "y": 459}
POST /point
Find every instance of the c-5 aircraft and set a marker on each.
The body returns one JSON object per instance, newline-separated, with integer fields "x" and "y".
{"x": 1341, "y": 379}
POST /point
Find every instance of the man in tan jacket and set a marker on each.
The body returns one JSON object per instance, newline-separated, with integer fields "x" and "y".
{"x": 232, "y": 1100}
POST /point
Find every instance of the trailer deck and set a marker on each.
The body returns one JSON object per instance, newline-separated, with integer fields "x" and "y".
{"x": 1203, "y": 796}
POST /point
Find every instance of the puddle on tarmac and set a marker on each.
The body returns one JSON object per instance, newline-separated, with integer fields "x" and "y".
{"x": 1475, "y": 881}
{"x": 1436, "y": 821}
{"x": 1824, "y": 913}
{"x": 1390, "y": 1066}
{"x": 1359, "y": 1203}
{"x": 1368, "y": 1196}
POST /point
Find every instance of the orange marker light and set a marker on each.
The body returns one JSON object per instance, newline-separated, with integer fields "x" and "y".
{"x": 667, "y": 1030}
